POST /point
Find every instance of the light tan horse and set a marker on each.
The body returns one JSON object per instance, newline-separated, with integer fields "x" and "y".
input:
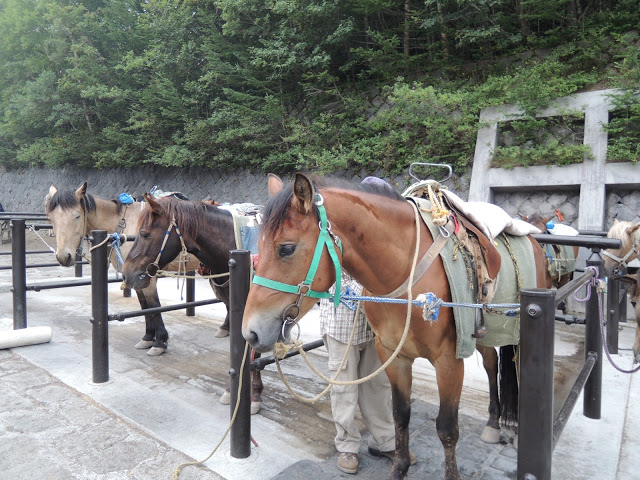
{"x": 629, "y": 234}
{"x": 372, "y": 234}
{"x": 74, "y": 214}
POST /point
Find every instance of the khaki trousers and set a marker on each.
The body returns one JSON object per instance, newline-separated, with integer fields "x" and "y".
{"x": 373, "y": 397}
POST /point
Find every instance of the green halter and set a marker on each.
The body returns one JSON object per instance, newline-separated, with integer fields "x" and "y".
{"x": 325, "y": 238}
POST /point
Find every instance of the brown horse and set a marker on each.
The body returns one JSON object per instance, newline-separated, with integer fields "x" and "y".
{"x": 377, "y": 232}
{"x": 74, "y": 213}
{"x": 207, "y": 232}
{"x": 619, "y": 259}
{"x": 560, "y": 258}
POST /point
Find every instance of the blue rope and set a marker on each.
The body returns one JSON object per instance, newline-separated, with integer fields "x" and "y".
{"x": 115, "y": 244}
{"x": 430, "y": 301}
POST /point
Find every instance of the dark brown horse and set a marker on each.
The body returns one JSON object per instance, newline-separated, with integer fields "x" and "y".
{"x": 208, "y": 234}
{"x": 377, "y": 233}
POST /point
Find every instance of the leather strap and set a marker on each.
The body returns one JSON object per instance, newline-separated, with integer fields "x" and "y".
{"x": 425, "y": 262}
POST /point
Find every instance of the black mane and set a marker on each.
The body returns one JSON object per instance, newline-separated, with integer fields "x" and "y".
{"x": 66, "y": 199}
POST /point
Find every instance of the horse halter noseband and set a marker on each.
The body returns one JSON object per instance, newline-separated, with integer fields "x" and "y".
{"x": 153, "y": 268}
{"x": 622, "y": 262}
{"x": 326, "y": 238}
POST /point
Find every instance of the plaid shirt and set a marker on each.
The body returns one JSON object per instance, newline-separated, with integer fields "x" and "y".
{"x": 338, "y": 323}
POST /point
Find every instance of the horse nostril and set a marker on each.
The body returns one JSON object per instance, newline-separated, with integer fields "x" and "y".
{"x": 252, "y": 338}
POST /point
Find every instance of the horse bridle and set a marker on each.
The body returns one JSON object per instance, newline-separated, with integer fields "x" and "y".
{"x": 153, "y": 268}
{"x": 326, "y": 238}
{"x": 623, "y": 261}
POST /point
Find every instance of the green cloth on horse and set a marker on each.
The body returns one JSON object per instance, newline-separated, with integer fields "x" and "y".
{"x": 501, "y": 330}
{"x": 562, "y": 261}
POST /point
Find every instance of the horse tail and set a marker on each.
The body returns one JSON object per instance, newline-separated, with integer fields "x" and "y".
{"x": 508, "y": 385}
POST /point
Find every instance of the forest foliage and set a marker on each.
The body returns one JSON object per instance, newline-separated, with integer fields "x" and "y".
{"x": 303, "y": 84}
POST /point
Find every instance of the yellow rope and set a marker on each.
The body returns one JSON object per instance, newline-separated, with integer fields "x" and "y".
{"x": 395, "y": 353}
{"x": 176, "y": 472}
{"x": 438, "y": 211}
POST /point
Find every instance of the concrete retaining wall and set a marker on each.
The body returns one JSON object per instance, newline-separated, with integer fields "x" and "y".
{"x": 24, "y": 189}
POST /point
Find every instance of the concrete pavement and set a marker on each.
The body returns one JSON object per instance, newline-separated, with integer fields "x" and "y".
{"x": 156, "y": 413}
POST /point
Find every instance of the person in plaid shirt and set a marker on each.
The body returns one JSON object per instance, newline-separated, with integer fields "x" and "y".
{"x": 373, "y": 397}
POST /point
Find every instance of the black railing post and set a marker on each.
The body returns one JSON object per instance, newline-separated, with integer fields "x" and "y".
{"x": 78, "y": 270}
{"x": 239, "y": 277}
{"x": 191, "y": 293}
{"x": 19, "y": 274}
{"x": 535, "y": 417}
{"x": 592, "y": 399}
{"x": 613, "y": 314}
{"x": 99, "y": 307}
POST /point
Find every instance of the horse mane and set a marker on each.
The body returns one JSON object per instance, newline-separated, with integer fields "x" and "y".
{"x": 275, "y": 210}
{"x": 619, "y": 230}
{"x": 189, "y": 215}
{"x": 66, "y": 199}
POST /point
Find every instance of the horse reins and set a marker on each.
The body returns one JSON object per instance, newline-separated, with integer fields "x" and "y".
{"x": 153, "y": 268}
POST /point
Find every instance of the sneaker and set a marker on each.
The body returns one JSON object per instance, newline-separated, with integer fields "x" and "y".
{"x": 392, "y": 453}
{"x": 348, "y": 462}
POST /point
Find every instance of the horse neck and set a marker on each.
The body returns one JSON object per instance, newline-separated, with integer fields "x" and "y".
{"x": 105, "y": 217}
{"x": 378, "y": 235}
{"x": 214, "y": 240}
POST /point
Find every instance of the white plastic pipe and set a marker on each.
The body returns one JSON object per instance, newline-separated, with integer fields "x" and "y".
{"x": 24, "y": 336}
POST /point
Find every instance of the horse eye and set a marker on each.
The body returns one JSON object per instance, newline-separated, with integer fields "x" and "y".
{"x": 77, "y": 217}
{"x": 144, "y": 234}
{"x": 286, "y": 250}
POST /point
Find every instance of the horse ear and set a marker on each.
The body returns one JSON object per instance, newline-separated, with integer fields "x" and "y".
{"x": 275, "y": 184}
{"x": 616, "y": 221}
{"x": 81, "y": 192}
{"x": 303, "y": 193}
{"x": 151, "y": 200}
{"x": 632, "y": 229}
{"x": 52, "y": 190}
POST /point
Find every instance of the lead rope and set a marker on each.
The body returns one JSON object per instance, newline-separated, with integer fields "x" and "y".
{"x": 176, "y": 472}
{"x": 280, "y": 347}
{"x": 599, "y": 285}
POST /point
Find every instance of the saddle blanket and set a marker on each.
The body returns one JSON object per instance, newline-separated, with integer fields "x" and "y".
{"x": 489, "y": 218}
{"x": 501, "y": 330}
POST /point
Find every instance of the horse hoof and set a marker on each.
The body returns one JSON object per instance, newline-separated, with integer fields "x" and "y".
{"x": 144, "y": 344}
{"x": 225, "y": 399}
{"x": 255, "y": 407}
{"x": 515, "y": 442}
{"x": 155, "y": 351}
{"x": 222, "y": 332}
{"x": 490, "y": 435}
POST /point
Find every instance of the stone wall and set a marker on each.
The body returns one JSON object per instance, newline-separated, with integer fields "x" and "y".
{"x": 24, "y": 190}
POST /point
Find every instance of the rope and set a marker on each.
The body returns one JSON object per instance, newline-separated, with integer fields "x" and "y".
{"x": 405, "y": 333}
{"x": 176, "y": 472}
{"x": 166, "y": 273}
{"x": 599, "y": 285}
{"x": 32, "y": 228}
{"x": 283, "y": 349}
{"x": 438, "y": 211}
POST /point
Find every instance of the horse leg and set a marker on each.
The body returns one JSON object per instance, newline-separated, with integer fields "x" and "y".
{"x": 636, "y": 343}
{"x": 400, "y": 377}
{"x": 491, "y": 432}
{"x": 449, "y": 374}
{"x": 256, "y": 386}
{"x": 222, "y": 294}
{"x": 161, "y": 335}
{"x": 149, "y": 334}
